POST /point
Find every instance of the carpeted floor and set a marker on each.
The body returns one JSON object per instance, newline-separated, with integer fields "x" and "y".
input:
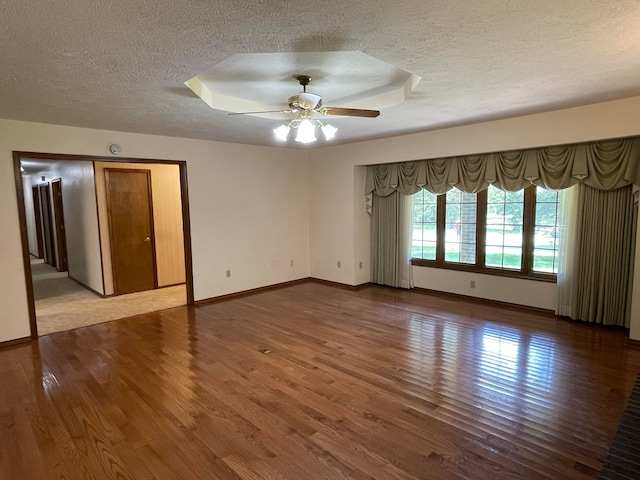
{"x": 62, "y": 304}
{"x": 623, "y": 462}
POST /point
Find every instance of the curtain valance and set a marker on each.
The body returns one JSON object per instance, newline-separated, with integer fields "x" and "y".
{"x": 604, "y": 165}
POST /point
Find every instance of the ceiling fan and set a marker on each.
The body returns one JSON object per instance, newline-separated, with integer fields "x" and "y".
{"x": 304, "y": 104}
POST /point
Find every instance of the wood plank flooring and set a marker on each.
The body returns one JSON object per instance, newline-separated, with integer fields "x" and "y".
{"x": 376, "y": 384}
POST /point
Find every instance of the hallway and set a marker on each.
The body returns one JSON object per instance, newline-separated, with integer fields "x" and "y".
{"x": 63, "y": 304}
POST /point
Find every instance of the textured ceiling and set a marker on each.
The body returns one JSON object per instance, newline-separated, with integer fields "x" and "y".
{"x": 122, "y": 64}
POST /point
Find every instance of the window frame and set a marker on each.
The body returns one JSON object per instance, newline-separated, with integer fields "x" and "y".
{"x": 528, "y": 241}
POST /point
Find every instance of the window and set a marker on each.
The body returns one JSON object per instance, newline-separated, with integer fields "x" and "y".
{"x": 545, "y": 245}
{"x": 424, "y": 225}
{"x": 460, "y": 237}
{"x": 506, "y": 233}
{"x": 505, "y": 227}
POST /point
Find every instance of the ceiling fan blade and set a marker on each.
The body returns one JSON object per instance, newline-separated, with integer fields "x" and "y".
{"x": 266, "y": 111}
{"x": 349, "y": 112}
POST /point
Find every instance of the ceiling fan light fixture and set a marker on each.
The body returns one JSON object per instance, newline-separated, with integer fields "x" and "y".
{"x": 282, "y": 132}
{"x": 306, "y": 132}
{"x": 329, "y": 131}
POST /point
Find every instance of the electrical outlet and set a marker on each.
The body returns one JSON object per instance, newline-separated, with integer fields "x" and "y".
{"x": 472, "y": 284}
{"x": 228, "y": 273}
{"x": 339, "y": 264}
{"x": 360, "y": 265}
{"x": 291, "y": 263}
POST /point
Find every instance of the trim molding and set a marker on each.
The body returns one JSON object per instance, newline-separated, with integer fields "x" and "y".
{"x": 277, "y": 286}
{"x": 16, "y": 342}
{"x": 483, "y": 301}
{"x": 247, "y": 293}
{"x": 344, "y": 286}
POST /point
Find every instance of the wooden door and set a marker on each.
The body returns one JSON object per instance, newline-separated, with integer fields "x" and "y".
{"x": 47, "y": 225}
{"x": 130, "y": 214}
{"x": 61, "y": 237}
{"x": 35, "y": 192}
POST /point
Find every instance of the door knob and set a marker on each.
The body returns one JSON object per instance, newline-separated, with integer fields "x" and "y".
{"x": 148, "y": 239}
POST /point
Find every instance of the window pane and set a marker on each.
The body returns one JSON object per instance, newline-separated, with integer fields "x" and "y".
{"x": 453, "y": 195}
{"x": 453, "y": 214}
{"x": 425, "y": 213}
{"x": 460, "y": 227}
{"x": 495, "y": 195}
{"x": 545, "y": 254}
{"x": 426, "y": 250}
{"x": 514, "y": 213}
{"x": 544, "y": 195}
{"x": 513, "y": 236}
{"x": 469, "y": 198}
{"x": 545, "y": 260}
{"x": 517, "y": 197}
{"x": 495, "y": 214}
{"x": 546, "y": 213}
{"x": 503, "y": 244}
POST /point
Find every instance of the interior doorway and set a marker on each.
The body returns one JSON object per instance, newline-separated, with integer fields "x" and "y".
{"x": 88, "y": 163}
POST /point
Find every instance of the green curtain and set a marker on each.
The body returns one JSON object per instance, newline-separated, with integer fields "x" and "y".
{"x": 605, "y": 252}
{"x": 605, "y": 165}
{"x": 391, "y": 229}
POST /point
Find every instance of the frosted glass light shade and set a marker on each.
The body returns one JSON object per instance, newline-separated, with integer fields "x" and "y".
{"x": 281, "y": 132}
{"x": 306, "y": 132}
{"x": 329, "y": 131}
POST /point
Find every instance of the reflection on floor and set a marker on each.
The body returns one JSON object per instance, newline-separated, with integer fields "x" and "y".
{"x": 63, "y": 304}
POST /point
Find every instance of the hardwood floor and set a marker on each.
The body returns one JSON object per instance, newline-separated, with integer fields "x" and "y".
{"x": 376, "y": 384}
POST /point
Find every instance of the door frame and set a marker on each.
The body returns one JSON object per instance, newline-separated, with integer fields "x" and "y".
{"x": 152, "y": 233}
{"x": 50, "y": 257}
{"x": 58, "y": 224}
{"x": 186, "y": 219}
{"x": 35, "y": 194}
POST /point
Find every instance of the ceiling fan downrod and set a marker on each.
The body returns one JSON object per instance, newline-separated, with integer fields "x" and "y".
{"x": 304, "y": 81}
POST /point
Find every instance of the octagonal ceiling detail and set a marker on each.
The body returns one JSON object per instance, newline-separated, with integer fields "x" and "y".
{"x": 257, "y": 82}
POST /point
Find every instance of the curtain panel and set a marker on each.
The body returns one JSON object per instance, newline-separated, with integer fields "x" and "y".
{"x": 391, "y": 230}
{"x": 603, "y": 243}
{"x": 603, "y": 165}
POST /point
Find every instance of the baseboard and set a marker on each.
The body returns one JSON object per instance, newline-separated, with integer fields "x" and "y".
{"x": 343, "y": 286}
{"x": 254, "y": 291}
{"x": 483, "y": 301}
{"x": 246, "y": 293}
{"x": 14, "y": 343}
{"x": 171, "y": 285}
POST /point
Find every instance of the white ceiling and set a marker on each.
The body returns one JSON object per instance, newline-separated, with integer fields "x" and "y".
{"x": 122, "y": 64}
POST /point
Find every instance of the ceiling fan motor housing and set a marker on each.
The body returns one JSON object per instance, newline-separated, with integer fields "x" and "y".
{"x": 305, "y": 101}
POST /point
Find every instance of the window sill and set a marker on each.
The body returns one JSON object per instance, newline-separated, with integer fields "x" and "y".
{"x": 540, "y": 277}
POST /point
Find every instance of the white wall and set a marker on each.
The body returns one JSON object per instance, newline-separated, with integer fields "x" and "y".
{"x": 491, "y": 287}
{"x": 81, "y": 222}
{"x": 248, "y": 206}
{"x": 337, "y": 223}
{"x": 249, "y": 215}
{"x": 32, "y": 235}
{"x": 13, "y": 296}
